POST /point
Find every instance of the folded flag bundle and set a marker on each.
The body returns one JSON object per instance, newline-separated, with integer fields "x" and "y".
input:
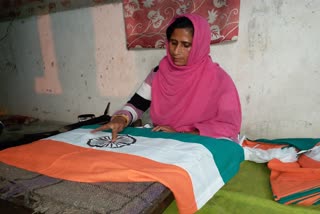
{"x": 294, "y": 165}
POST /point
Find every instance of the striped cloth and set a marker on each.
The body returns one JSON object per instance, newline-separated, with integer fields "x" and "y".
{"x": 294, "y": 165}
{"x": 193, "y": 167}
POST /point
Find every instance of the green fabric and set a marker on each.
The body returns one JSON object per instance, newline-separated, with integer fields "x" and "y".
{"x": 299, "y": 143}
{"x": 221, "y": 149}
{"x": 249, "y": 192}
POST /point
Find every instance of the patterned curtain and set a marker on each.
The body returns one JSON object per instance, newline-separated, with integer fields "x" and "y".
{"x": 146, "y": 20}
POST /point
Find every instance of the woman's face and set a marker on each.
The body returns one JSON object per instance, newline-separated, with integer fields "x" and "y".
{"x": 180, "y": 44}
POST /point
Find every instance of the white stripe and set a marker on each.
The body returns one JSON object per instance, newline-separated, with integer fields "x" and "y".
{"x": 192, "y": 157}
{"x": 314, "y": 153}
{"x": 145, "y": 91}
{"x": 132, "y": 111}
{"x": 262, "y": 156}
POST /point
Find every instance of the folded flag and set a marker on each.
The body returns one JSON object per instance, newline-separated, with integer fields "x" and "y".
{"x": 292, "y": 184}
{"x": 294, "y": 165}
{"x": 193, "y": 167}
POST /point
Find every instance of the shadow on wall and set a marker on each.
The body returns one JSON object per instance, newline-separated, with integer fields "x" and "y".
{"x": 20, "y": 9}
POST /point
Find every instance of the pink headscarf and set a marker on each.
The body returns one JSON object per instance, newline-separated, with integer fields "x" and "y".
{"x": 200, "y": 95}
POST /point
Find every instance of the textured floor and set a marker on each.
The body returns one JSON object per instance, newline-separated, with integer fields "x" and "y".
{"x": 13, "y": 132}
{"x": 10, "y": 208}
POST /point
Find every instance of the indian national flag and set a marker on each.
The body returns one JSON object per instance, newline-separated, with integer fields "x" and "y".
{"x": 193, "y": 167}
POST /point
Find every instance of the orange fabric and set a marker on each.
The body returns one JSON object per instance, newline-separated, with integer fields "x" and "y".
{"x": 306, "y": 161}
{"x": 264, "y": 146}
{"x": 310, "y": 200}
{"x": 69, "y": 162}
{"x": 290, "y": 178}
{"x": 307, "y": 200}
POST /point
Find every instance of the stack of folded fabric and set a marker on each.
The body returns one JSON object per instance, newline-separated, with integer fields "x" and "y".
{"x": 294, "y": 165}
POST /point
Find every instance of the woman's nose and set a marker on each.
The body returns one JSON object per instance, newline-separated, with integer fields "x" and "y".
{"x": 177, "y": 50}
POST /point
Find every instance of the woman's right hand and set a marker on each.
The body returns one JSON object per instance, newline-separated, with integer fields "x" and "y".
{"x": 117, "y": 124}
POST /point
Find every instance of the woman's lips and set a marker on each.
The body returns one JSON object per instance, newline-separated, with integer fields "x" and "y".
{"x": 177, "y": 59}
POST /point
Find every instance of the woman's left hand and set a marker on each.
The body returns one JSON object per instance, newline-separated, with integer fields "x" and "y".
{"x": 163, "y": 129}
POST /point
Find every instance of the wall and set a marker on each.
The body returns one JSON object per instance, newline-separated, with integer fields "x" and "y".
{"x": 26, "y": 8}
{"x": 69, "y": 63}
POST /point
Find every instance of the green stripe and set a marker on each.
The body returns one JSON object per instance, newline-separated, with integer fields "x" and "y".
{"x": 301, "y": 200}
{"x": 300, "y": 143}
{"x": 227, "y": 154}
{"x": 298, "y": 195}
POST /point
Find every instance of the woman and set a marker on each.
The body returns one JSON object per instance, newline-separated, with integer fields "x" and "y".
{"x": 190, "y": 93}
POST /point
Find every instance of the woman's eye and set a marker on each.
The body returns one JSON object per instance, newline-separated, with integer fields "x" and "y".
{"x": 173, "y": 42}
{"x": 187, "y": 45}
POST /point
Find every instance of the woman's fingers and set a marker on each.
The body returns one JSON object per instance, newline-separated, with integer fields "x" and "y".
{"x": 163, "y": 129}
{"x": 156, "y": 129}
{"x": 114, "y": 135}
{"x": 103, "y": 127}
{"x": 115, "y": 126}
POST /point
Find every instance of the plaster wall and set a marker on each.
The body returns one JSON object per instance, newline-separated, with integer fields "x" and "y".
{"x": 60, "y": 65}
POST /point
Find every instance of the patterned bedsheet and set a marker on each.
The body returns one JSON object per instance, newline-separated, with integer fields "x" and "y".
{"x": 48, "y": 195}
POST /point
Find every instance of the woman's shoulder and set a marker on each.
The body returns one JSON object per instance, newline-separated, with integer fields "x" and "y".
{"x": 150, "y": 77}
{"x": 219, "y": 71}
{"x": 155, "y": 69}
{"x": 222, "y": 75}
